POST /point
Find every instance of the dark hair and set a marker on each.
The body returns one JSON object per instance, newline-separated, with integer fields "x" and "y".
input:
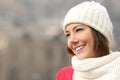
{"x": 101, "y": 45}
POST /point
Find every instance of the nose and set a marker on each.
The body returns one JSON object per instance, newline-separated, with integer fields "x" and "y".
{"x": 73, "y": 39}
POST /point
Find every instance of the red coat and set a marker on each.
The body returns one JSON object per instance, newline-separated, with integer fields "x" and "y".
{"x": 65, "y": 73}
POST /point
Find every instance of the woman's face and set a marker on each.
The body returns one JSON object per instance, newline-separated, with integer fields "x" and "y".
{"x": 80, "y": 40}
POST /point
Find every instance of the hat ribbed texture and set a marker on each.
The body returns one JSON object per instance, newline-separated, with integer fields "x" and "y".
{"x": 92, "y": 14}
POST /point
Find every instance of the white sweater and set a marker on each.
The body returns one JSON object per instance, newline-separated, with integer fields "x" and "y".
{"x": 102, "y": 68}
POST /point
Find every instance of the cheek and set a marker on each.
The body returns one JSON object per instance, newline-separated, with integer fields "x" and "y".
{"x": 90, "y": 41}
{"x": 83, "y": 37}
{"x": 87, "y": 36}
{"x": 68, "y": 44}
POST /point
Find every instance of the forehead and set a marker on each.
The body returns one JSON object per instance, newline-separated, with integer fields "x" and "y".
{"x": 72, "y": 25}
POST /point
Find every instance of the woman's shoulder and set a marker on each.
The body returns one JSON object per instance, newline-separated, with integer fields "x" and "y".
{"x": 65, "y": 73}
{"x": 67, "y": 68}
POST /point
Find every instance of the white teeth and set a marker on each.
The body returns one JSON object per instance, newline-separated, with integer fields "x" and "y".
{"x": 78, "y": 48}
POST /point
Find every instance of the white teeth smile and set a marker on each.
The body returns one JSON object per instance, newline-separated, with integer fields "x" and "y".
{"x": 79, "y": 48}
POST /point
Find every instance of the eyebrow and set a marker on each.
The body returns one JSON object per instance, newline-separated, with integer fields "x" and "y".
{"x": 74, "y": 27}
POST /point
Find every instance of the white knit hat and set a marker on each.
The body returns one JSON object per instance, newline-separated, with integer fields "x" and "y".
{"x": 94, "y": 15}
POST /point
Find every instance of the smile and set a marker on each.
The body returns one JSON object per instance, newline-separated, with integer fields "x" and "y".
{"x": 78, "y": 49}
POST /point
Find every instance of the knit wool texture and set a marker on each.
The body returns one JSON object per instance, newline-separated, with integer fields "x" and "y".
{"x": 102, "y": 68}
{"x": 94, "y": 15}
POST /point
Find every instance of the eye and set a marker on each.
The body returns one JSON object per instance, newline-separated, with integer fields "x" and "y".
{"x": 79, "y": 29}
{"x": 67, "y": 35}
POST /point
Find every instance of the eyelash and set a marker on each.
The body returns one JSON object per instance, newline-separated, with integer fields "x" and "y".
{"x": 77, "y": 30}
{"x": 67, "y": 35}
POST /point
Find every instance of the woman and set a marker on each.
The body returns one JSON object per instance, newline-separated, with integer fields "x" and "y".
{"x": 90, "y": 41}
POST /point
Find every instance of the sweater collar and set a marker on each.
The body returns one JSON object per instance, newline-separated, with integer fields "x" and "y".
{"x": 93, "y": 66}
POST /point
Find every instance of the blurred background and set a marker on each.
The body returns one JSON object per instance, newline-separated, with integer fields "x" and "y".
{"x": 32, "y": 43}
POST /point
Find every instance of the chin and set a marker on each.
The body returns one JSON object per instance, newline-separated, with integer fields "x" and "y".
{"x": 81, "y": 58}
